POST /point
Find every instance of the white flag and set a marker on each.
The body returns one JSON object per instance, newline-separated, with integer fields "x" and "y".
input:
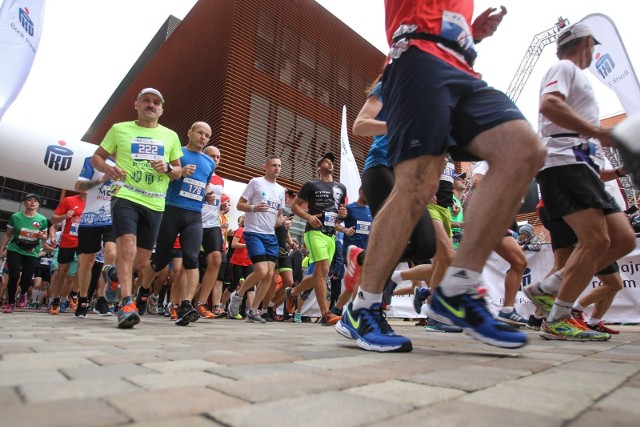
{"x": 611, "y": 64}
{"x": 20, "y": 30}
{"x": 349, "y": 174}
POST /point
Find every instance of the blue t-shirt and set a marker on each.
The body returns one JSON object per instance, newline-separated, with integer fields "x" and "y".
{"x": 377, "y": 155}
{"x": 189, "y": 193}
{"x": 360, "y": 218}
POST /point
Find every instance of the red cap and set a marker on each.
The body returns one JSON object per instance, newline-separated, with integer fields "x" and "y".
{"x": 225, "y": 197}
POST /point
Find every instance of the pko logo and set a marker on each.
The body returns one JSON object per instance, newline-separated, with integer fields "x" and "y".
{"x": 25, "y": 20}
{"x": 526, "y": 277}
{"x": 58, "y": 157}
{"x": 604, "y": 64}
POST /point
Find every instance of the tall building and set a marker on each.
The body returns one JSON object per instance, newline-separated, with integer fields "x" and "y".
{"x": 269, "y": 76}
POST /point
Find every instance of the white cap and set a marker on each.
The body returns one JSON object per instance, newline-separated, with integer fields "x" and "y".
{"x": 153, "y": 91}
{"x": 575, "y": 31}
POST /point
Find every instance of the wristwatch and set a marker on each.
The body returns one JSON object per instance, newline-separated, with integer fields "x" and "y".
{"x": 169, "y": 167}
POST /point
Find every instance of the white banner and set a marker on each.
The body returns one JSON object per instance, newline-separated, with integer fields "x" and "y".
{"x": 611, "y": 63}
{"x": 349, "y": 174}
{"x": 20, "y": 29}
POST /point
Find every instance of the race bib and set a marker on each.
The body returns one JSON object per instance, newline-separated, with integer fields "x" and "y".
{"x": 330, "y": 219}
{"x": 46, "y": 261}
{"x": 193, "y": 189}
{"x": 28, "y": 235}
{"x": 274, "y": 205}
{"x": 73, "y": 229}
{"x": 147, "y": 149}
{"x": 363, "y": 227}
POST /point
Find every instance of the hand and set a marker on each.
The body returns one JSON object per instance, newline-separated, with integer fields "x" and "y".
{"x": 293, "y": 246}
{"x": 455, "y": 209}
{"x": 487, "y": 23}
{"x": 188, "y": 170}
{"x": 115, "y": 173}
{"x": 210, "y": 198}
{"x": 261, "y": 207}
{"x": 70, "y": 213}
{"x": 342, "y": 212}
{"x": 159, "y": 166}
{"x": 314, "y": 221}
{"x": 350, "y": 231}
{"x": 604, "y": 136}
{"x": 287, "y": 223}
{"x": 43, "y": 235}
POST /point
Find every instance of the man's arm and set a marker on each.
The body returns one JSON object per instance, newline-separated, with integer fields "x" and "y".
{"x": 487, "y": 23}
{"x": 554, "y": 107}
{"x": 296, "y": 208}
{"x": 99, "y": 161}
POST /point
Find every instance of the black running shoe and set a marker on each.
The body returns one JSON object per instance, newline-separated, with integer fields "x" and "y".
{"x": 141, "y": 300}
{"x": 101, "y": 307}
{"x": 82, "y": 308}
{"x": 186, "y": 314}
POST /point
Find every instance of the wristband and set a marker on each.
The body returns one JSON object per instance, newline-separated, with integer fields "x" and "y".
{"x": 252, "y": 207}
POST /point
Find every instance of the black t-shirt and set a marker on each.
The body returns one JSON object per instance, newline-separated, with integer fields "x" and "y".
{"x": 323, "y": 198}
{"x": 281, "y": 232}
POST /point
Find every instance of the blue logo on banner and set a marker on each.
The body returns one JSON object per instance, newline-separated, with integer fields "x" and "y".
{"x": 58, "y": 158}
{"x": 25, "y": 20}
{"x": 605, "y": 65}
{"x": 526, "y": 277}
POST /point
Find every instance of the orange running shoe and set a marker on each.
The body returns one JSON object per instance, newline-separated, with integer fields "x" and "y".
{"x": 204, "y": 313}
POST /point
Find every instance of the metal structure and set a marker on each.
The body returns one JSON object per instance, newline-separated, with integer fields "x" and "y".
{"x": 528, "y": 63}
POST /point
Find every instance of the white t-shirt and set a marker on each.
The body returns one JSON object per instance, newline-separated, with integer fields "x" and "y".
{"x": 97, "y": 211}
{"x": 211, "y": 212}
{"x": 569, "y": 80}
{"x": 480, "y": 168}
{"x": 257, "y": 191}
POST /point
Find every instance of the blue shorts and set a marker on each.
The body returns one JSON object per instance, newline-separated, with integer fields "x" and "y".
{"x": 261, "y": 247}
{"x": 432, "y": 107}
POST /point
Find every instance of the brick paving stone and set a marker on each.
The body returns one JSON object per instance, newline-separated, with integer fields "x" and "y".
{"x": 468, "y": 378}
{"x": 189, "y": 421}
{"x": 11, "y": 377}
{"x": 77, "y": 389}
{"x": 180, "y": 365}
{"x": 63, "y": 413}
{"x": 599, "y": 418}
{"x": 98, "y": 374}
{"x": 124, "y": 358}
{"x": 456, "y": 414}
{"x": 167, "y": 380}
{"x": 417, "y": 395}
{"x": 9, "y": 396}
{"x": 345, "y": 409}
{"x": 172, "y": 403}
{"x": 624, "y": 399}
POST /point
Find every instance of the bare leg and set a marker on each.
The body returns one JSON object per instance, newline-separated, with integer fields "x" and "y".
{"x": 509, "y": 249}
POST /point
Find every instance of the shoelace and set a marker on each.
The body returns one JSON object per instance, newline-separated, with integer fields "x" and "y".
{"x": 380, "y": 317}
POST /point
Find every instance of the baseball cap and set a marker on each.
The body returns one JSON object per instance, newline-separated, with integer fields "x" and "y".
{"x": 462, "y": 175}
{"x": 32, "y": 196}
{"x": 153, "y": 91}
{"x": 526, "y": 229}
{"x": 328, "y": 155}
{"x": 573, "y": 32}
{"x": 225, "y": 197}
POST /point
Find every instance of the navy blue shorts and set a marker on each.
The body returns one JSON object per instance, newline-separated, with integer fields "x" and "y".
{"x": 432, "y": 107}
{"x": 261, "y": 247}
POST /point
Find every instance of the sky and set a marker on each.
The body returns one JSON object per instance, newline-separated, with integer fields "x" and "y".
{"x": 88, "y": 47}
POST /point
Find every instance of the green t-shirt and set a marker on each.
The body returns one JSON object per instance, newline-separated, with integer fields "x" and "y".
{"x": 460, "y": 216}
{"x": 135, "y": 146}
{"x": 25, "y": 230}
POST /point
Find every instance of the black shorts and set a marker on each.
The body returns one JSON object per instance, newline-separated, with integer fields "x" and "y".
{"x": 189, "y": 225}
{"x": 66, "y": 255}
{"x": 132, "y": 218}
{"x": 573, "y": 188}
{"x": 91, "y": 239}
{"x": 433, "y": 107}
{"x": 212, "y": 240}
{"x": 562, "y": 236}
{"x": 176, "y": 253}
{"x": 44, "y": 272}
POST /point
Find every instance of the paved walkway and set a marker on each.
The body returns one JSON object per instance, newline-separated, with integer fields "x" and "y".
{"x": 61, "y": 371}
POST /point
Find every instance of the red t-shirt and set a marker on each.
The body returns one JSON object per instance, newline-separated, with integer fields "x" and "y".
{"x": 240, "y": 255}
{"x": 449, "y": 18}
{"x": 69, "y": 237}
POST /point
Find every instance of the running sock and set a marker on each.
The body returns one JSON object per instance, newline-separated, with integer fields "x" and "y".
{"x": 578, "y": 307}
{"x": 507, "y": 310}
{"x": 360, "y": 258}
{"x": 559, "y": 310}
{"x": 551, "y": 285}
{"x": 366, "y": 299}
{"x": 397, "y": 276}
{"x": 593, "y": 321}
{"x": 457, "y": 281}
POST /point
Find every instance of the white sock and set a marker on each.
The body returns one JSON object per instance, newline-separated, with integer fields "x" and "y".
{"x": 366, "y": 299}
{"x": 578, "y": 307}
{"x": 458, "y": 281}
{"x": 551, "y": 284}
{"x": 507, "y": 310}
{"x": 397, "y": 276}
{"x": 593, "y": 321}
{"x": 559, "y": 310}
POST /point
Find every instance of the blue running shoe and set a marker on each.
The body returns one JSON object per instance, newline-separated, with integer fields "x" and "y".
{"x": 469, "y": 311}
{"x": 128, "y": 316}
{"x": 420, "y": 295}
{"x": 111, "y": 288}
{"x": 435, "y": 326}
{"x": 371, "y": 331}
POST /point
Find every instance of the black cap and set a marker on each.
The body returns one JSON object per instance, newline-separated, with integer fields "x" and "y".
{"x": 328, "y": 155}
{"x": 460, "y": 175}
{"x": 32, "y": 196}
